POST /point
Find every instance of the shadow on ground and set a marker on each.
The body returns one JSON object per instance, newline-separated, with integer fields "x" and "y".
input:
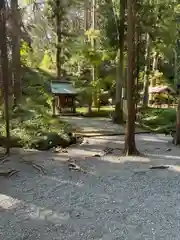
{"x": 96, "y": 126}
{"x": 118, "y": 198}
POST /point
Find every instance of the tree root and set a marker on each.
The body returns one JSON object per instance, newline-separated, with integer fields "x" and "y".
{"x": 3, "y": 158}
{"x": 133, "y": 153}
{"x": 159, "y": 167}
{"x": 9, "y": 173}
{"x": 39, "y": 168}
{"x": 73, "y": 166}
{"x": 35, "y": 165}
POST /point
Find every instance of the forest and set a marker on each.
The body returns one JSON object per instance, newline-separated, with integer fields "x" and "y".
{"x": 121, "y": 48}
{"x": 89, "y": 119}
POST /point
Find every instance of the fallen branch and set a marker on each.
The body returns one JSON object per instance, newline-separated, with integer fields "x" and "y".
{"x": 4, "y": 159}
{"x": 39, "y": 168}
{"x": 34, "y": 165}
{"x": 8, "y": 173}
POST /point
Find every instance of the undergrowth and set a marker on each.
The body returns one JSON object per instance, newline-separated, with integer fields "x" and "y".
{"x": 31, "y": 122}
{"x": 159, "y": 120}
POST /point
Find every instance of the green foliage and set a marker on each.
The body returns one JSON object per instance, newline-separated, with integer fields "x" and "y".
{"x": 48, "y": 61}
{"x": 159, "y": 120}
{"x": 32, "y": 124}
{"x": 109, "y": 22}
{"x": 158, "y": 78}
{"x": 159, "y": 18}
{"x": 164, "y": 98}
{"x": 30, "y": 57}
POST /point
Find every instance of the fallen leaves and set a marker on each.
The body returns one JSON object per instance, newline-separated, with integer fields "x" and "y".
{"x": 59, "y": 150}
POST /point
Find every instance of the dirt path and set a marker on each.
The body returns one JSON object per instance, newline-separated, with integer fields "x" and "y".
{"x": 118, "y": 197}
{"x": 95, "y": 126}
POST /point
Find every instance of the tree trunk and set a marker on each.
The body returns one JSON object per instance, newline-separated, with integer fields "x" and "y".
{"x": 16, "y": 58}
{"x": 130, "y": 146}
{"x": 120, "y": 66}
{"x": 90, "y": 107}
{"x": 93, "y": 43}
{"x": 146, "y": 72}
{"x": 58, "y": 39}
{"x": 176, "y": 139}
{"x": 86, "y": 15}
{"x": 152, "y": 82}
{"x": 155, "y": 61}
{"x": 154, "y": 67}
{"x": 86, "y": 27}
{"x": 4, "y": 67}
{"x": 138, "y": 41}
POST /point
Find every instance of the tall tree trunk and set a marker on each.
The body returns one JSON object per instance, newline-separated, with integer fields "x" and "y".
{"x": 146, "y": 72}
{"x": 152, "y": 82}
{"x": 138, "y": 37}
{"x": 4, "y": 67}
{"x": 138, "y": 41}
{"x": 86, "y": 27}
{"x": 86, "y": 15}
{"x": 155, "y": 61}
{"x": 16, "y": 58}
{"x": 120, "y": 65}
{"x": 176, "y": 139}
{"x": 58, "y": 39}
{"x": 93, "y": 43}
{"x": 154, "y": 66}
{"x": 130, "y": 146}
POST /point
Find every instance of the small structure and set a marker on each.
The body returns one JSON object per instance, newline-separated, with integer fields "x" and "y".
{"x": 161, "y": 89}
{"x": 64, "y": 96}
{"x": 158, "y": 91}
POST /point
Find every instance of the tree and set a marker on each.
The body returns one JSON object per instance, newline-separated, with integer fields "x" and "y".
{"x": 59, "y": 37}
{"x": 4, "y": 66}
{"x": 146, "y": 72}
{"x": 93, "y": 43}
{"x": 176, "y": 139}
{"x": 130, "y": 146}
{"x": 16, "y": 59}
{"x": 120, "y": 64}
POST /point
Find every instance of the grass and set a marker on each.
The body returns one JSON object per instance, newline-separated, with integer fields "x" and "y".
{"x": 31, "y": 122}
{"x": 103, "y": 112}
{"x": 159, "y": 120}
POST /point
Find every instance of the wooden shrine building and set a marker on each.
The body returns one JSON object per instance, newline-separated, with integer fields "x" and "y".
{"x": 64, "y": 95}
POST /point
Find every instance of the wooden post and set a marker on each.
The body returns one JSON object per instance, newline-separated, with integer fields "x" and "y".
{"x": 73, "y": 104}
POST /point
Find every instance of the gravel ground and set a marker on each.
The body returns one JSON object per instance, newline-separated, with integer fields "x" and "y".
{"x": 118, "y": 197}
{"x": 95, "y": 126}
